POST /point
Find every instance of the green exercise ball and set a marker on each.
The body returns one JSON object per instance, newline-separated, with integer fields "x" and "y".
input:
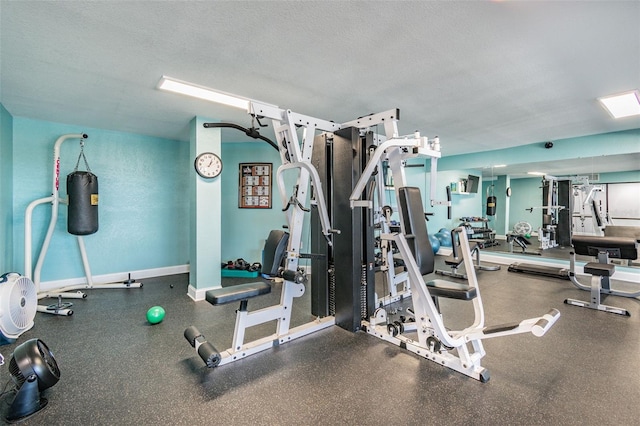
{"x": 155, "y": 314}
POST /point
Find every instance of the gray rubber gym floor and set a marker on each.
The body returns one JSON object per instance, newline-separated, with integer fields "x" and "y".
{"x": 118, "y": 369}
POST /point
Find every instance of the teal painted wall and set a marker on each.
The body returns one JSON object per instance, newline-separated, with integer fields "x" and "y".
{"x": 586, "y": 146}
{"x": 462, "y": 205}
{"x": 144, "y": 196}
{"x": 526, "y": 193}
{"x": 496, "y": 187}
{"x": 143, "y": 201}
{"x": 244, "y": 230}
{"x": 619, "y": 177}
{"x": 205, "y": 215}
{"x": 6, "y": 190}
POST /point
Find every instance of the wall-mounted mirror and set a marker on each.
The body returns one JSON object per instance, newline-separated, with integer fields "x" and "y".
{"x": 601, "y": 191}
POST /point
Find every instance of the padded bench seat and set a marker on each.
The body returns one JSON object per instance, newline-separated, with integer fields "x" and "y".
{"x": 220, "y": 296}
{"x": 453, "y": 261}
{"x": 599, "y": 269}
{"x": 451, "y": 290}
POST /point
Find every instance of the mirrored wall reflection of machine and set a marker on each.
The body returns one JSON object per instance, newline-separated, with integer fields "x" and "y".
{"x": 588, "y": 205}
{"x": 82, "y": 203}
{"x": 557, "y": 197}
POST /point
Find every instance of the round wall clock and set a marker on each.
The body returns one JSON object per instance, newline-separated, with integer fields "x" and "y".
{"x": 208, "y": 165}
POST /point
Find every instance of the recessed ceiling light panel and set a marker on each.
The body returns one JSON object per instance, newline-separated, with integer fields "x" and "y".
{"x": 622, "y": 105}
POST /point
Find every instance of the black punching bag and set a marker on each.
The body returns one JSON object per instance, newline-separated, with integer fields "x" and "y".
{"x": 491, "y": 205}
{"x": 82, "y": 188}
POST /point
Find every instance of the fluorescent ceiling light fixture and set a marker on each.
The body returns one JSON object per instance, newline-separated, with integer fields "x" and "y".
{"x": 500, "y": 165}
{"x": 622, "y": 105}
{"x": 185, "y": 88}
{"x": 536, "y": 173}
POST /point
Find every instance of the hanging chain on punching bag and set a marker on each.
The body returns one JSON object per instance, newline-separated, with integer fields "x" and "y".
{"x": 82, "y": 189}
{"x": 86, "y": 164}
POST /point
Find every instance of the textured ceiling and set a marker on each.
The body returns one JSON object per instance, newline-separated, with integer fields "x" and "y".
{"x": 481, "y": 75}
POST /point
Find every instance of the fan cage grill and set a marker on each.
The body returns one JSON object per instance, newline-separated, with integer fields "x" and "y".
{"x": 19, "y": 300}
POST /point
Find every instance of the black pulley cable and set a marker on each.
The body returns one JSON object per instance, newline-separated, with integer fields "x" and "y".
{"x": 251, "y": 132}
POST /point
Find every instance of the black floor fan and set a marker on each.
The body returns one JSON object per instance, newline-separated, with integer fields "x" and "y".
{"x": 33, "y": 369}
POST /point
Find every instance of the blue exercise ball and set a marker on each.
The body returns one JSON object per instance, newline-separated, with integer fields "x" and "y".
{"x": 443, "y": 231}
{"x": 435, "y": 243}
{"x": 445, "y": 238}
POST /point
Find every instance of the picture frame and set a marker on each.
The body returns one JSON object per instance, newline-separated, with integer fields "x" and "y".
{"x": 255, "y": 185}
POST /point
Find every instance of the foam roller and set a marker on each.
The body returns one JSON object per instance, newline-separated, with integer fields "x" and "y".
{"x": 209, "y": 354}
{"x": 191, "y": 334}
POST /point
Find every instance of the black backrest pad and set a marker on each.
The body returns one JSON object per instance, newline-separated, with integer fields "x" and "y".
{"x": 274, "y": 251}
{"x": 415, "y": 227}
{"x": 618, "y": 247}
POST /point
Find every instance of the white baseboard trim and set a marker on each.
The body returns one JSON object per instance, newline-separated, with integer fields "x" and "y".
{"x": 622, "y": 273}
{"x": 198, "y": 294}
{"x": 116, "y": 277}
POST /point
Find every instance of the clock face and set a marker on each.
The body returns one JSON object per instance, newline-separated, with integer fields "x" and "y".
{"x": 208, "y": 165}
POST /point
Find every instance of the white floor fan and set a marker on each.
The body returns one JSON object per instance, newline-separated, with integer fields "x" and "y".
{"x": 18, "y": 306}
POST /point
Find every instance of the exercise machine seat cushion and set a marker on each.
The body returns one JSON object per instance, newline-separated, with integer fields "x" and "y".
{"x": 451, "y": 290}
{"x": 453, "y": 261}
{"x": 599, "y": 269}
{"x": 616, "y": 247}
{"x": 220, "y": 296}
{"x": 415, "y": 228}
{"x": 274, "y": 251}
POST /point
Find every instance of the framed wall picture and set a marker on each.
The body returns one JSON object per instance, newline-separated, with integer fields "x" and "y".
{"x": 254, "y": 191}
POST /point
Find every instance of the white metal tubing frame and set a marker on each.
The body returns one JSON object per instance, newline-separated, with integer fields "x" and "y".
{"x": 604, "y": 289}
{"x": 295, "y": 155}
{"x": 429, "y": 323}
{"x": 280, "y": 313}
{"x": 394, "y": 149}
{"x": 55, "y": 201}
{"x": 399, "y": 285}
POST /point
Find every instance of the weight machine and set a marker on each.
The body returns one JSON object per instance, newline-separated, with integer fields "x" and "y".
{"x": 69, "y": 291}
{"x": 587, "y": 205}
{"x": 342, "y": 240}
{"x": 556, "y": 212}
{"x": 334, "y": 169}
{"x": 433, "y": 341}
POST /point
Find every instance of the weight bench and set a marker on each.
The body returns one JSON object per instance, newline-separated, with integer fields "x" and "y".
{"x": 602, "y": 248}
{"x": 522, "y": 241}
{"x": 455, "y": 260}
{"x": 625, "y": 232}
{"x": 242, "y": 292}
{"x": 220, "y": 296}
